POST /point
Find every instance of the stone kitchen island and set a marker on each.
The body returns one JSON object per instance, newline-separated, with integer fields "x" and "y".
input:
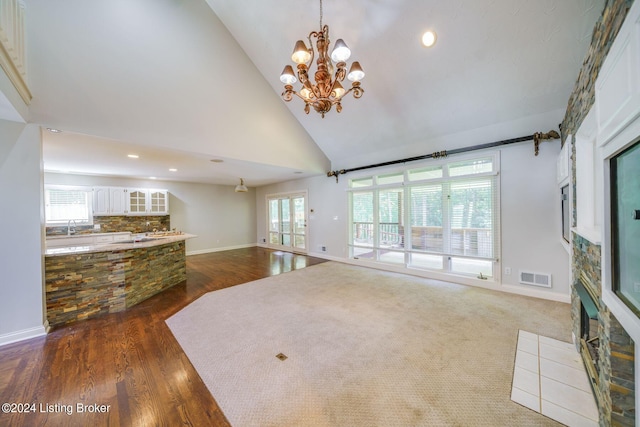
{"x": 87, "y": 280}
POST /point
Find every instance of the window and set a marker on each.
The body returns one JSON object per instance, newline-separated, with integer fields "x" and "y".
{"x": 566, "y": 214}
{"x": 441, "y": 217}
{"x": 625, "y": 226}
{"x": 64, "y": 204}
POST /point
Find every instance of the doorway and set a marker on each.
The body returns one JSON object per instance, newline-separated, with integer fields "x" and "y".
{"x": 287, "y": 221}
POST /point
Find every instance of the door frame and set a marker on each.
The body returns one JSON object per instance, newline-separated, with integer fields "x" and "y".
{"x": 288, "y": 195}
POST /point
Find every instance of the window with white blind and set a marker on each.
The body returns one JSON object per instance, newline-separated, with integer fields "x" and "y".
{"x": 64, "y": 204}
{"x": 443, "y": 217}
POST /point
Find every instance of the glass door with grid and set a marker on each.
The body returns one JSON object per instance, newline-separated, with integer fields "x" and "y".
{"x": 288, "y": 221}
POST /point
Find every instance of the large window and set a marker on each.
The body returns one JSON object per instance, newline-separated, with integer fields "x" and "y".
{"x": 442, "y": 217}
{"x": 64, "y": 204}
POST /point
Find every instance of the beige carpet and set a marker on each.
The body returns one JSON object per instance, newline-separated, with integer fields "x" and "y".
{"x": 364, "y": 348}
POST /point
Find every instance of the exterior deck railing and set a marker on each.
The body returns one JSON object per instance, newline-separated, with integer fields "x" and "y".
{"x": 463, "y": 240}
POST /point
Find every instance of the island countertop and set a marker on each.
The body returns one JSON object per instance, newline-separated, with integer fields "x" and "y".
{"x": 82, "y": 282}
{"x": 147, "y": 242}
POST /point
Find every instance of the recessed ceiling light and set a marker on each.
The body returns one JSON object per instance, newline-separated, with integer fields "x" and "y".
{"x": 132, "y": 156}
{"x": 173, "y": 170}
{"x": 217, "y": 160}
{"x": 152, "y": 177}
{"x": 429, "y": 38}
{"x": 54, "y": 130}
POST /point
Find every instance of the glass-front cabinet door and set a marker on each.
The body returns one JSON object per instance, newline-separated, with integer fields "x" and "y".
{"x": 158, "y": 201}
{"x": 137, "y": 201}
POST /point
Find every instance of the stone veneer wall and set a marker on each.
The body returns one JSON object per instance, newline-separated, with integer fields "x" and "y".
{"x": 110, "y": 224}
{"x": 616, "y": 362}
{"x": 87, "y": 285}
{"x": 622, "y": 378}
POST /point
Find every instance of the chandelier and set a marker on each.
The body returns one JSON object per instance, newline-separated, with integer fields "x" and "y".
{"x": 331, "y": 70}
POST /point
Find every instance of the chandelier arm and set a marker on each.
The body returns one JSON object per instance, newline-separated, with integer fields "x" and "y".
{"x": 332, "y": 91}
{"x": 286, "y": 95}
{"x": 357, "y": 91}
{"x": 313, "y": 51}
{"x": 344, "y": 94}
{"x": 301, "y": 97}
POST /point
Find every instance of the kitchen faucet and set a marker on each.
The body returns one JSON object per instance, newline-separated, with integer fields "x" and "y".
{"x": 69, "y": 233}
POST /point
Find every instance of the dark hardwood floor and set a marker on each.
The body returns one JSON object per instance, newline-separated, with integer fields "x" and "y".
{"x": 129, "y": 362}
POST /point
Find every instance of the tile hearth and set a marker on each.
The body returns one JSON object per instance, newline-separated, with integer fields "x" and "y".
{"x": 549, "y": 377}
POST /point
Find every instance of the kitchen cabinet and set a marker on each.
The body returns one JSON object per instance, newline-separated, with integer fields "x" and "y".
{"x": 143, "y": 201}
{"x": 101, "y": 200}
{"x": 129, "y": 201}
{"x": 137, "y": 201}
{"x": 158, "y": 202}
{"x": 117, "y": 201}
{"x": 109, "y": 201}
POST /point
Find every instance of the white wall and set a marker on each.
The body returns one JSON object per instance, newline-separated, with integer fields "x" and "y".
{"x": 21, "y": 261}
{"x": 531, "y": 236}
{"x": 327, "y": 225}
{"x": 220, "y": 217}
{"x": 531, "y": 216}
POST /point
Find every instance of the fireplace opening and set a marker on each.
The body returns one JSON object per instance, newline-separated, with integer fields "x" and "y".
{"x": 589, "y": 334}
{"x": 589, "y": 338}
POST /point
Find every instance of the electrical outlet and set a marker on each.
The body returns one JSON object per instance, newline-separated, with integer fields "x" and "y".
{"x": 324, "y": 249}
{"x": 507, "y": 271}
{"x": 264, "y": 240}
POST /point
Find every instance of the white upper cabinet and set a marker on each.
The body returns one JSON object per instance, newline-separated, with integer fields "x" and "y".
{"x": 158, "y": 202}
{"x": 143, "y": 201}
{"x": 129, "y": 201}
{"x": 137, "y": 201}
{"x": 117, "y": 201}
{"x": 101, "y": 201}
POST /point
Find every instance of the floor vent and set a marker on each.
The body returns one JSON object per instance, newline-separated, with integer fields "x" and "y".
{"x": 535, "y": 279}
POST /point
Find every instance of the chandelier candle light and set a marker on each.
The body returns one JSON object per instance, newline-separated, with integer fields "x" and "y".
{"x": 327, "y": 91}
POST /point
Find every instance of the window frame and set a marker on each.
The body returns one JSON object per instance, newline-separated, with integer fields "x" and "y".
{"x": 445, "y": 182}
{"x": 61, "y": 222}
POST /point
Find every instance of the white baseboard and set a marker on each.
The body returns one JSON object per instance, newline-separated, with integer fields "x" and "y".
{"x": 463, "y": 280}
{"x": 227, "y": 248}
{"x": 536, "y": 293}
{"x": 434, "y": 275}
{"x": 24, "y": 334}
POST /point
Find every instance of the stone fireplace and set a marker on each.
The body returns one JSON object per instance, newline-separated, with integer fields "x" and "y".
{"x": 606, "y": 348}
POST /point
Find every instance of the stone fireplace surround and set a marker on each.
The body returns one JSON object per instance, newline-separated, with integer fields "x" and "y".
{"x": 604, "y": 115}
{"x": 611, "y": 370}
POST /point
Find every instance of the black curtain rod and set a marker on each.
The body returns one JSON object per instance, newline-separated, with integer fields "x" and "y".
{"x": 536, "y": 137}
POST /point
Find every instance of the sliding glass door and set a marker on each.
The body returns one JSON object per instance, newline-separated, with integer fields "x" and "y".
{"x": 288, "y": 221}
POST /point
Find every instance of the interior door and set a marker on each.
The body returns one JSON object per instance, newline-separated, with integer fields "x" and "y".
{"x": 288, "y": 221}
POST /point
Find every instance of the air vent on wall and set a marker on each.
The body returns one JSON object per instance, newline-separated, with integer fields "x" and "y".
{"x": 535, "y": 279}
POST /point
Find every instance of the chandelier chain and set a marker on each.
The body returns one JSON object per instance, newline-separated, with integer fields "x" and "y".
{"x": 320, "y": 15}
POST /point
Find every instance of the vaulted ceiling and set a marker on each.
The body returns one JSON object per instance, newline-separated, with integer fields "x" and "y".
{"x": 182, "y": 82}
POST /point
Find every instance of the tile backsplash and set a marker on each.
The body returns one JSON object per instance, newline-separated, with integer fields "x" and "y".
{"x": 111, "y": 224}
